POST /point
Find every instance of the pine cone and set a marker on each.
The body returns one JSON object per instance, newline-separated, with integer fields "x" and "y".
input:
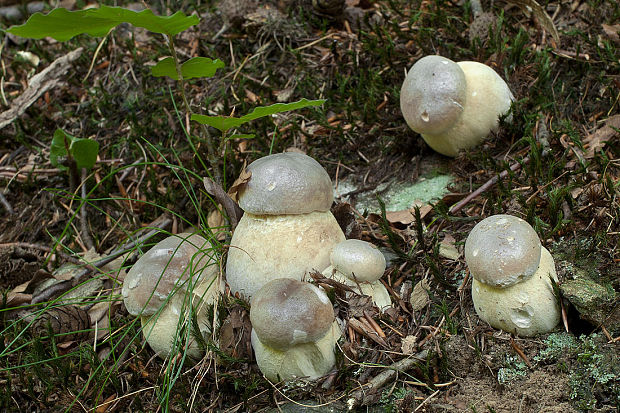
{"x": 328, "y": 8}
{"x": 69, "y": 322}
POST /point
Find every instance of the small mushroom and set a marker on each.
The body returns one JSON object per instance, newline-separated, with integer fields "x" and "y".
{"x": 452, "y": 105}
{"x": 512, "y": 288}
{"x": 177, "y": 274}
{"x": 360, "y": 265}
{"x": 287, "y": 229}
{"x": 294, "y": 332}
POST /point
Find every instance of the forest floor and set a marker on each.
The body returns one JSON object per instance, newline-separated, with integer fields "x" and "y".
{"x": 559, "y": 155}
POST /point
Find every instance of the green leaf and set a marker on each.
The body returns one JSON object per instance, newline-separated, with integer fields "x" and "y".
{"x": 62, "y": 24}
{"x": 224, "y": 123}
{"x": 82, "y": 151}
{"x": 194, "y": 67}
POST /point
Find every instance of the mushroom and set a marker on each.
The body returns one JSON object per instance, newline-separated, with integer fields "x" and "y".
{"x": 178, "y": 276}
{"x": 287, "y": 229}
{"x": 452, "y": 105}
{"x": 294, "y": 331}
{"x": 360, "y": 265}
{"x": 512, "y": 288}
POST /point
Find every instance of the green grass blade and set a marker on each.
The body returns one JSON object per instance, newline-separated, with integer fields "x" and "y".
{"x": 62, "y": 24}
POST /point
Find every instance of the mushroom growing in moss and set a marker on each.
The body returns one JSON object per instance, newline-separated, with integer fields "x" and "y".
{"x": 452, "y": 105}
{"x": 175, "y": 279}
{"x": 287, "y": 229}
{"x": 294, "y": 331}
{"x": 360, "y": 265}
{"x": 512, "y": 288}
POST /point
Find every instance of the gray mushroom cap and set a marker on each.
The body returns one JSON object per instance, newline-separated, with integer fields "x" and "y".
{"x": 358, "y": 260}
{"x": 286, "y": 312}
{"x": 433, "y": 95}
{"x": 286, "y": 183}
{"x": 502, "y": 250}
{"x": 175, "y": 263}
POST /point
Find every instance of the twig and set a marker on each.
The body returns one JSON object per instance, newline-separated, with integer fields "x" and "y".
{"x": 476, "y": 8}
{"x": 232, "y": 209}
{"x": 88, "y": 240}
{"x": 62, "y": 287}
{"x": 6, "y": 205}
{"x": 43, "y": 248}
{"x": 38, "y": 85}
{"x": 360, "y": 397}
{"x": 514, "y": 167}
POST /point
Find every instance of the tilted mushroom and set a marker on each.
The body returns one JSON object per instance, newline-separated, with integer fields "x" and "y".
{"x": 177, "y": 274}
{"x": 294, "y": 332}
{"x": 287, "y": 229}
{"x": 452, "y": 105}
{"x": 512, "y": 288}
{"x": 360, "y": 265}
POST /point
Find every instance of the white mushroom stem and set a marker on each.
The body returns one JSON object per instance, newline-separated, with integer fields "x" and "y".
{"x": 526, "y": 308}
{"x": 162, "y": 329}
{"x": 266, "y": 247}
{"x": 308, "y": 360}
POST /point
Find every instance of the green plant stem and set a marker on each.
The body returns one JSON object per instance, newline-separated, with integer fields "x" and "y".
{"x": 217, "y": 176}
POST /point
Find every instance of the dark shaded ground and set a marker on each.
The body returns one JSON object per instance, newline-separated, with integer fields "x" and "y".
{"x": 563, "y": 123}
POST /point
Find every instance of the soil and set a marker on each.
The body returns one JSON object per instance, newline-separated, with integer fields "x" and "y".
{"x": 567, "y": 94}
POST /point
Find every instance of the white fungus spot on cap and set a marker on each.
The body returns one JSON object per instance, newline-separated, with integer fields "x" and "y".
{"x": 475, "y": 252}
{"x": 161, "y": 252}
{"x": 474, "y": 93}
{"x": 299, "y": 336}
{"x": 133, "y": 283}
{"x": 425, "y": 116}
{"x": 322, "y": 296}
{"x": 445, "y": 62}
{"x": 271, "y": 186}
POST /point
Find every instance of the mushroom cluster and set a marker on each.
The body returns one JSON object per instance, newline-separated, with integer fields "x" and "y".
{"x": 294, "y": 331}
{"x": 177, "y": 276}
{"x": 287, "y": 229}
{"x": 512, "y": 288}
{"x": 452, "y": 105}
{"x": 360, "y": 265}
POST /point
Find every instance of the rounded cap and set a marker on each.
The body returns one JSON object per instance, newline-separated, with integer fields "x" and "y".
{"x": 287, "y": 312}
{"x": 170, "y": 264}
{"x": 358, "y": 260}
{"x": 433, "y": 95}
{"x": 502, "y": 250}
{"x": 286, "y": 183}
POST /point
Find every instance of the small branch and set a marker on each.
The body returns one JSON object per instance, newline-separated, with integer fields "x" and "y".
{"x": 476, "y": 8}
{"x": 62, "y": 287}
{"x": 515, "y": 167}
{"x": 231, "y": 207}
{"x": 359, "y": 397}
{"x": 88, "y": 240}
{"x": 208, "y": 139}
{"x": 6, "y": 205}
{"x": 38, "y": 85}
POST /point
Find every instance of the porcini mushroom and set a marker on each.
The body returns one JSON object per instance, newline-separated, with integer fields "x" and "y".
{"x": 293, "y": 330}
{"x": 177, "y": 276}
{"x": 452, "y": 105}
{"x": 512, "y": 288}
{"x": 360, "y": 265}
{"x": 287, "y": 229}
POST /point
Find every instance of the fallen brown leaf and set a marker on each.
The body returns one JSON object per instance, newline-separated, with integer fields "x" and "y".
{"x": 603, "y": 134}
{"x": 541, "y": 15}
{"x": 612, "y": 32}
